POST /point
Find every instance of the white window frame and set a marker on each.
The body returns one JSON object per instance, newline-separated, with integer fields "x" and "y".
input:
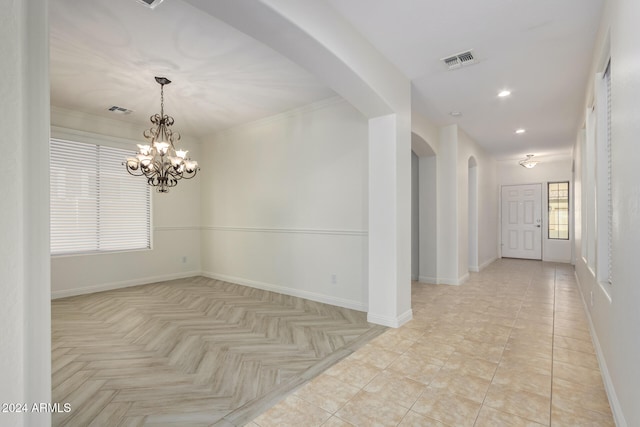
{"x": 603, "y": 176}
{"x": 548, "y": 193}
{"x": 589, "y": 193}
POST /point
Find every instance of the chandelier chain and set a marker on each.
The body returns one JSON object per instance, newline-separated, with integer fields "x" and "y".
{"x": 161, "y": 100}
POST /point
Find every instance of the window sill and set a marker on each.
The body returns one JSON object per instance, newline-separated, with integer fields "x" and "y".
{"x": 114, "y": 252}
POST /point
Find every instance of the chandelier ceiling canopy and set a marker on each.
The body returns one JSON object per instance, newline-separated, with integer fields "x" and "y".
{"x": 159, "y": 161}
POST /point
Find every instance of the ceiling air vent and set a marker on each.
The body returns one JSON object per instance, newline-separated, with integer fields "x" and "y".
{"x": 458, "y": 60}
{"x": 150, "y": 3}
{"x": 120, "y": 110}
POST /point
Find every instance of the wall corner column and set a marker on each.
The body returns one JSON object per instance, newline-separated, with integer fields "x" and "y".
{"x": 447, "y": 206}
{"x": 390, "y": 220}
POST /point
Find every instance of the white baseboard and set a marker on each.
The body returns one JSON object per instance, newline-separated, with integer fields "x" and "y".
{"x": 326, "y": 299}
{"x": 558, "y": 260}
{"x": 487, "y": 263}
{"x": 616, "y": 409}
{"x": 460, "y": 280}
{"x": 454, "y": 282}
{"x": 447, "y": 281}
{"x": 392, "y": 322}
{"x": 123, "y": 284}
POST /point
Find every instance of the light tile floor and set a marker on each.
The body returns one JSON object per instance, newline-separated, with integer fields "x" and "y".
{"x": 510, "y": 347}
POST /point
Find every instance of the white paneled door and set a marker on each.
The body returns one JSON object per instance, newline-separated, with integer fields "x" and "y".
{"x": 522, "y": 221}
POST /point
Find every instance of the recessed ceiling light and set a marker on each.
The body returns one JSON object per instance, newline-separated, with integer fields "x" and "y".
{"x": 455, "y": 113}
{"x": 520, "y": 131}
{"x": 504, "y": 93}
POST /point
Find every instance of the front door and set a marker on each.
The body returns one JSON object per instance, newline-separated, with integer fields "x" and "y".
{"x": 522, "y": 221}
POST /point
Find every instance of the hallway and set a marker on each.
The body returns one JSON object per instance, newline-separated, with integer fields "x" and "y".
{"x": 510, "y": 347}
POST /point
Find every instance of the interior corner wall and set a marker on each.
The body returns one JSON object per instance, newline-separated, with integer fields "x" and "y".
{"x": 487, "y": 197}
{"x": 13, "y": 262}
{"x": 176, "y": 221}
{"x": 428, "y": 226}
{"x": 447, "y": 205}
{"x": 615, "y": 318}
{"x": 25, "y": 315}
{"x": 424, "y": 143}
{"x": 285, "y": 204}
{"x": 415, "y": 217}
{"x": 550, "y": 169}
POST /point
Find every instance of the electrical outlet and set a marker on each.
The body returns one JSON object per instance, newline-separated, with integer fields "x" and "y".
{"x": 334, "y": 279}
{"x": 184, "y": 259}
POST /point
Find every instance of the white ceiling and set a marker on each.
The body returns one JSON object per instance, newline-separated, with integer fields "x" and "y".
{"x": 539, "y": 49}
{"x": 106, "y": 53}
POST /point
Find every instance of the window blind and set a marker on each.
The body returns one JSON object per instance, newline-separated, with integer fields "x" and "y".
{"x": 607, "y": 77}
{"x": 95, "y": 205}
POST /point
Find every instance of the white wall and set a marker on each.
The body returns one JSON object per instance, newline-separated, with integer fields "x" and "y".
{"x": 550, "y": 169}
{"x": 315, "y": 36}
{"x": 447, "y": 205}
{"x": 175, "y": 219}
{"x": 428, "y": 219}
{"x": 473, "y": 210}
{"x": 614, "y": 308}
{"x": 25, "y": 315}
{"x": 424, "y": 140}
{"x": 284, "y": 204}
{"x": 454, "y": 150}
{"x": 12, "y": 224}
{"x": 415, "y": 217}
{"x": 487, "y": 204}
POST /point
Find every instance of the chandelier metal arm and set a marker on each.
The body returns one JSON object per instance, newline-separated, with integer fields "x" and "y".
{"x": 160, "y": 162}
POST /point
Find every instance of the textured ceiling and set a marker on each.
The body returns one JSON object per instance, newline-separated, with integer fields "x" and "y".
{"x": 106, "y": 53}
{"x": 539, "y": 49}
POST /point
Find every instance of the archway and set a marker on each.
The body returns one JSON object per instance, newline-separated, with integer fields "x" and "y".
{"x": 424, "y": 227}
{"x": 473, "y": 215}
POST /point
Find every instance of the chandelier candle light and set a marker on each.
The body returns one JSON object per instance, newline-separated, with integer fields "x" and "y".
{"x": 160, "y": 162}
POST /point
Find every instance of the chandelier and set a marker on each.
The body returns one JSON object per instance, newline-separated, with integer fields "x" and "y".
{"x": 160, "y": 162}
{"x": 528, "y": 163}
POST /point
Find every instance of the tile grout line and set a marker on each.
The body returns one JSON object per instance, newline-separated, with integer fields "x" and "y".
{"x": 553, "y": 342}
{"x": 349, "y": 348}
{"x": 423, "y": 389}
{"x": 502, "y": 354}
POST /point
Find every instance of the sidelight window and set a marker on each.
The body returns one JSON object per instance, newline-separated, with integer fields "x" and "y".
{"x": 558, "y": 202}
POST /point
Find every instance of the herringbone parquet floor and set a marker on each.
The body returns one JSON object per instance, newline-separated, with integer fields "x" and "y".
{"x": 190, "y": 352}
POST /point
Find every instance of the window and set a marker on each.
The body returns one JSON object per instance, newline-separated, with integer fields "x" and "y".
{"x": 95, "y": 205}
{"x": 589, "y": 168}
{"x": 603, "y": 176}
{"x": 558, "y": 202}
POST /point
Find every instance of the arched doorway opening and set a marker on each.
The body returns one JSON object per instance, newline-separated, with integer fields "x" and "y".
{"x": 473, "y": 215}
{"x": 423, "y": 208}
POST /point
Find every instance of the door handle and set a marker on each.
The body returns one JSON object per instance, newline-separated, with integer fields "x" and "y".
{"x": 538, "y": 225}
